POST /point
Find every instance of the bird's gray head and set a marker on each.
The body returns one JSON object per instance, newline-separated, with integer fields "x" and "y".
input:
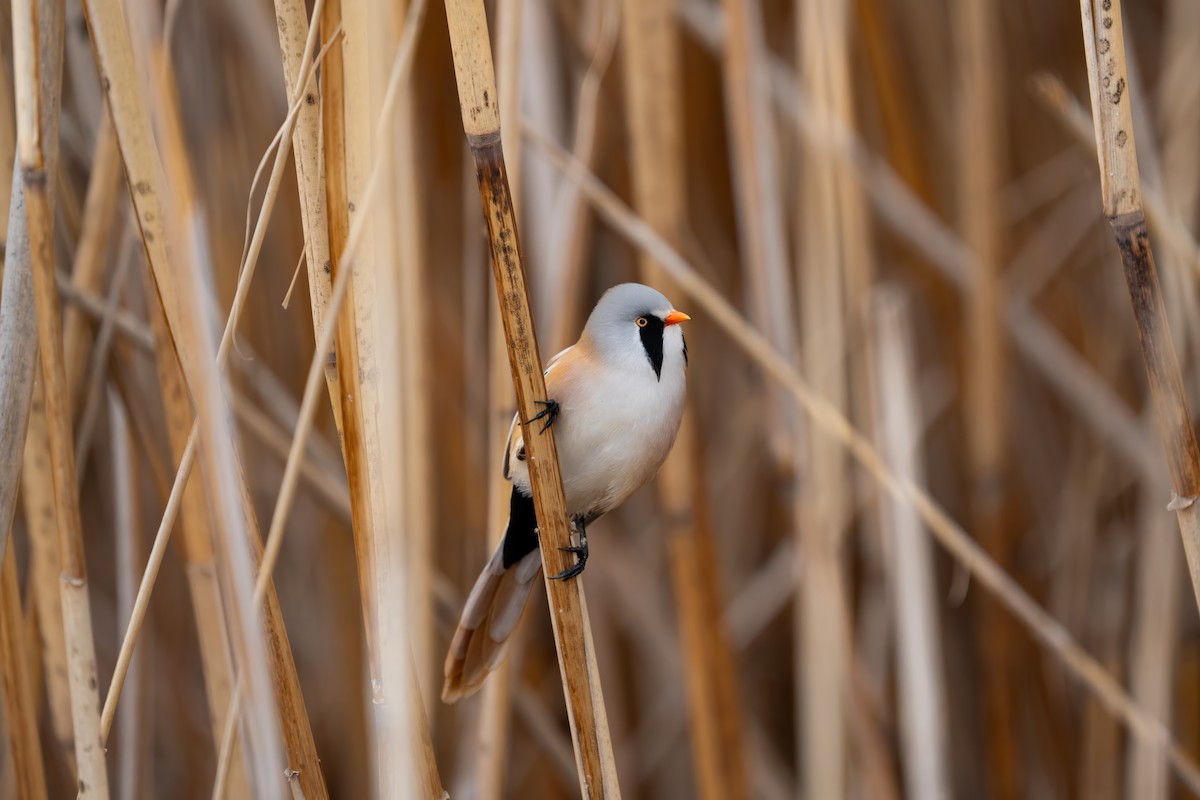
{"x": 635, "y": 324}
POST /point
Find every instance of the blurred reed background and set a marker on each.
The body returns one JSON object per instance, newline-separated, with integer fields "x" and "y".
{"x": 894, "y": 204}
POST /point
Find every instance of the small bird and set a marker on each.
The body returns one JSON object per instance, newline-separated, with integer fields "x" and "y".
{"x": 615, "y": 399}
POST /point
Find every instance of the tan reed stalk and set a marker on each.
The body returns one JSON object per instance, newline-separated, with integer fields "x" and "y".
{"x": 980, "y": 137}
{"x": 760, "y": 214}
{"x": 198, "y": 537}
{"x": 920, "y": 676}
{"x": 570, "y": 231}
{"x": 8, "y": 144}
{"x": 1153, "y": 641}
{"x": 825, "y": 264}
{"x": 292, "y": 23}
{"x": 416, "y": 373}
{"x": 20, "y": 701}
{"x": 481, "y": 122}
{"x": 653, "y": 90}
{"x": 18, "y": 331}
{"x": 1104, "y": 45}
{"x": 427, "y": 779}
{"x": 92, "y": 251}
{"x": 37, "y": 496}
{"x": 146, "y": 174}
{"x": 133, "y": 732}
{"x": 38, "y": 42}
{"x": 984, "y": 571}
{"x": 343, "y": 108}
{"x": 492, "y": 744}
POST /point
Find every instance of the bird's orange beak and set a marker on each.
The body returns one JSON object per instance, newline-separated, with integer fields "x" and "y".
{"x": 675, "y": 317}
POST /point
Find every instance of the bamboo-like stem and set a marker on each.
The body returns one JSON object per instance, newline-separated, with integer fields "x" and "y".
{"x": 18, "y": 324}
{"x": 824, "y": 268}
{"x": 38, "y": 42}
{"x": 337, "y": 118}
{"x": 570, "y": 229}
{"x": 134, "y": 730}
{"x": 759, "y": 207}
{"x": 293, "y": 26}
{"x": 91, "y": 252}
{"x": 653, "y": 87}
{"x": 1047, "y": 630}
{"x": 981, "y": 134}
{"x": 20, "y": 702}
{"x": 415, "y": 373}
{"x": 920, "y": 673}
{"x": 1104, "y": 45}
{"x": 481, "y": 122}
{"x": 37, "y": 497}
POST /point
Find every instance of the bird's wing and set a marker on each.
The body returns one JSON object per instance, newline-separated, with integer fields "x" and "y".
{"x": 514, "y": 429}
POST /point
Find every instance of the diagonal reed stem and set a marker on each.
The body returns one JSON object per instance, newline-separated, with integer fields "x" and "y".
{"x": 1104, "y": 46}
{"x": 572, "y": 631}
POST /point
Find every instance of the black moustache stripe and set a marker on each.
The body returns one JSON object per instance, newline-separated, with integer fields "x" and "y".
{"x": 652, "y": 341}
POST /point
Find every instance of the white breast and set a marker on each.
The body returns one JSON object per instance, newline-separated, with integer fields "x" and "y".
{"x": 614, "y": 430}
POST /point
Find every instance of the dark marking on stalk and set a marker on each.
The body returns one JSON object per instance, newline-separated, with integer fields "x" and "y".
{"x": 310, "y": 98}
{"x": 1108, "y": 22}
{"x": 1116, "y": 98}
{"x": 1158, "y": 352}
{"x": 1122, "y": 138}
{"x": 1104, "y": 46}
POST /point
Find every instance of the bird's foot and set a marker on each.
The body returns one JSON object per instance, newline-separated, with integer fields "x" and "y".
{"x": 550, "y": 412}
{"x": 581, "y": 551}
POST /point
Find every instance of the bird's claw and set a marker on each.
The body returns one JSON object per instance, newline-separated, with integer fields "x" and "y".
{"x": 550, "y": 412}
{"x": 580, "y": 550}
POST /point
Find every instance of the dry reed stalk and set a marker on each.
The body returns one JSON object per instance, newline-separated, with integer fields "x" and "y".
{"x": 920, "y": 675}
{"x": 425, "y": 769}
{"x": 93, "y": 389}
{"x": 495, "y": 718}
{"x": 20, "y": 701}
{"x": 825, "y": 263}
{"x": 570, "y": 229}
{"x": 18, "y": 339}
{"x": 653, "y": 90}
{"x": 1103, "y": 34}
{"x": 8, "y": 144}
{"x": 409, "y": 328}
{"x": 37, "y": 496}
{"x": 38, "y": 42}
{"x": 1043, "y": 627}
{"x": 1153, "y": 642}
{"x": 198, "y": 533}
{"x": 146, "y": 174}
{"x": 346, "y": 142}
{"x": 481, "y": 123}
{"x": 92, "y": 251}
{"x": 292, "y": 23}
{"x": 760, "y": 214}
{"x": 981, "y": 134}
{"x": 134, "y": 731}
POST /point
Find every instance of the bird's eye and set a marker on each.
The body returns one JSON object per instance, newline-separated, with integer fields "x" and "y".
{"x": 642, "y": 322}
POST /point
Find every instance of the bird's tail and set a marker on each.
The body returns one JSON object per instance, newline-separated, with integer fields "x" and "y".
{"x": 488, "y": 620}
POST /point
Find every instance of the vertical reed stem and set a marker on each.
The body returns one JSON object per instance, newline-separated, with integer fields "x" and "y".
{"x": 572, "y": 633}
{"x": 38, "y": 41}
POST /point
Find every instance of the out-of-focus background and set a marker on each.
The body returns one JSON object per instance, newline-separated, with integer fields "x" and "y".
{"x": 900, "y": 196}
